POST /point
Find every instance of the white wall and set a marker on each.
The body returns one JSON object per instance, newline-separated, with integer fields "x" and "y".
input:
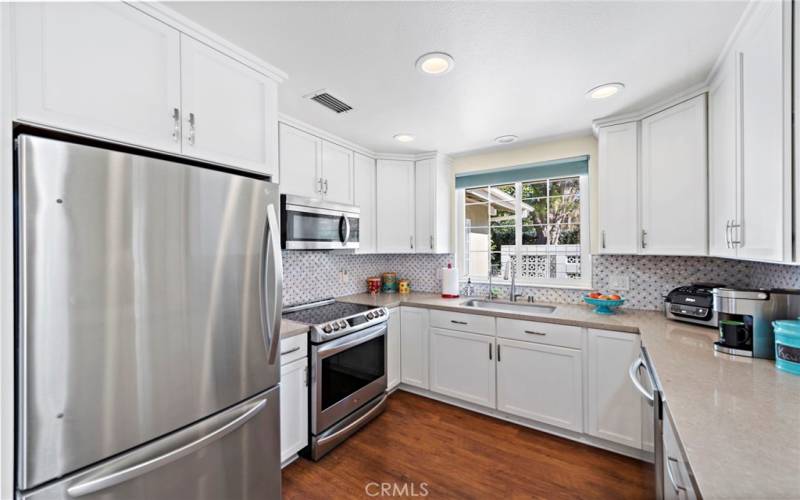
{"x": 531, "y": 152}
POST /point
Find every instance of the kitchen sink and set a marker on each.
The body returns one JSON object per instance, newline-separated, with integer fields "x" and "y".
{"x": 515, "y": 307}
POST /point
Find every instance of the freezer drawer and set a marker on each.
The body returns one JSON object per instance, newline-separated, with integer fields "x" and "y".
{"x": 149, "y": 293}
{"x": 233, "y": 455}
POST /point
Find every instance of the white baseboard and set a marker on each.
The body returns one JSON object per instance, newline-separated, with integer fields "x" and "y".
{"x": 532, "y": 424}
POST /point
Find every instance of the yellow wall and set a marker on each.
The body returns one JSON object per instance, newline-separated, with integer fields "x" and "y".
{"x": 540, "y": 151}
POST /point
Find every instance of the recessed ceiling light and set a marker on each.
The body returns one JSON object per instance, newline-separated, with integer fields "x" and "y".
{"x": 435, "y": 63}
{"x": 404, "y": 137}
{"x": 605, "y": 90}
{"x": 505, "y": 139}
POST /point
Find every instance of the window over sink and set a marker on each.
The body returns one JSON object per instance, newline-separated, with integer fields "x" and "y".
{"x": 539, "y": 223}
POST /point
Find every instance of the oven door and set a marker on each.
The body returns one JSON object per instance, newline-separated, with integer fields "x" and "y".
{"x": 315, "y": 228}
{"x": 345, "y": 374}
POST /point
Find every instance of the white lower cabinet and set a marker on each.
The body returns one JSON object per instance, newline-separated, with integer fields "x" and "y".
{"x": 462, "y": 366}
{"x": 615, "y": 407}
{"x": 393, "y": 349}
{"x": 414, "y": 346}
{"x": 540, "y": 382}
{"x": 294, "y": 407}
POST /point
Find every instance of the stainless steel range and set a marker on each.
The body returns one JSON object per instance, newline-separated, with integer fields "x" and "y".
{"x": 348, "y": 368}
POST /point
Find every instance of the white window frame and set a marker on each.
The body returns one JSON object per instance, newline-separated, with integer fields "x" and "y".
{"x": 584, "y": 283}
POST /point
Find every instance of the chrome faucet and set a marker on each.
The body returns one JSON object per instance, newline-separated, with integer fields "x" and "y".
{"x": 511, "y": 267}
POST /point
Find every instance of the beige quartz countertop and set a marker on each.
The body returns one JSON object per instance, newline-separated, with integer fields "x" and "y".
{"x": 737, "y": 418}
{"x": 291, "y": 328}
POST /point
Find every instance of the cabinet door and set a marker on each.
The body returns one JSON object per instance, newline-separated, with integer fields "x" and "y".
{"x": 615, "y": 407}
{"x": 393, "y": 349}
{"x": 424, "y": 205}
{"x": 294, "y": 408}
{"x": 414, "y": 346}
{"x": 103, "y": 69}
{"x": 618, "y": 188}
{"x": 230, "y": 113}
{"x": 300, "y": 160}
{"x": 674, "y": 180}
{"x": 395, "y": 206}
{"x": 337, "y": 173}
{"x": 462, "y": 366}
{"x": 722, "y": 162}
{"x": 364, "y": 192}
{"x": 765, "y": 122}
{"x": 540, "y": 382}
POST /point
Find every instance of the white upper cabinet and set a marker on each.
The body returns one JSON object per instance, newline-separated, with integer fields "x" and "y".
{"x": 101, "y": 69}
{"x": 364, "y": 184}
{"x": 674, "y": 180}
{"x": 617, "y": 184}
{"x": 229, "y": 110}
{"x": 300, "y": 162}
{"x": 395, "y": 188}
{"x": 762, "y": 54}
{"x": 432, "y": 205}
{"x": 723, "y": 174}
{"x": 337, "y": 171}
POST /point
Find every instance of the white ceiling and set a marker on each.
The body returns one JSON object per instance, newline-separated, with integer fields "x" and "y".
{"x": 521, "y": 68}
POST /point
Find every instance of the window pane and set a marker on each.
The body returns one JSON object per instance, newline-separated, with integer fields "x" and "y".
{"x": 566, "y": 186}
{"x": 565, "y": 234}
{"x": 476, "y": 239}
{"x": 565, "y": 209}
{"x": 476, "y": 195}
{"x": 503, "y": 239}
{"x": 476, "y": 215}
{"x": 534, "y": 211}
{"x": 534, "y": 235}
{"x": 478, "y": 264}
{"x": 535, "y": 189}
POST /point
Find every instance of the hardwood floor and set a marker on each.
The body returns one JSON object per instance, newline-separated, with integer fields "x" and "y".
{"x": 420, "y": 445}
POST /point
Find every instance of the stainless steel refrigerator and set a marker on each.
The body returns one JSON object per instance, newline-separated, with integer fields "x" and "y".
{"x": 148, "y": 318}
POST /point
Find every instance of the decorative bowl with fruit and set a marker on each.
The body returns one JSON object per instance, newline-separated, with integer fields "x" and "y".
{"x": 605, "y": 304}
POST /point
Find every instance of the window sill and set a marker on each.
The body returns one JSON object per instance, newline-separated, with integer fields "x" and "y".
{"x": 576, "y": 286}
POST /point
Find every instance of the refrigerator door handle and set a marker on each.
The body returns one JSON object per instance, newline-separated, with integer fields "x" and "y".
{"x": 271, "y": 313}
{"x": 124, "y": 472}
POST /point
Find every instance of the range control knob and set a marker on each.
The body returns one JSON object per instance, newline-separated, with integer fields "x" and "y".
{"x": 343, "y": 324}
{"x": 327, "y": 329}
{"x": 370, "y": 315}
{"x": 335, "y": 326}
{"x": 381, "y": 312}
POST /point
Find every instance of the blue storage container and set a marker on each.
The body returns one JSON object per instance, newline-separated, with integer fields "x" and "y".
{"x": 787, "y": 345}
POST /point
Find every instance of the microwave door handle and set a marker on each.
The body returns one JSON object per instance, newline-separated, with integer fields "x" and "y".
{"x": 271, "y": 265}
{"x": 114, "y": 475}
{"x": 347, "y": 229}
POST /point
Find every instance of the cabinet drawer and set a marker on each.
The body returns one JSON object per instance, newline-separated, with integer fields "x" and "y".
{"x": 462, "y": 322}
{"x": 294, "y": 348}
{"x": 542, "y": 333}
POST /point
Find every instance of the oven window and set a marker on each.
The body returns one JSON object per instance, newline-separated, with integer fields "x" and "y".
{"x": 312, "y": 227}
{"x": 348, "y": 371}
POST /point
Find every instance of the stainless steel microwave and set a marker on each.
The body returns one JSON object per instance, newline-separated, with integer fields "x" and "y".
{"x": 309, "y": 224}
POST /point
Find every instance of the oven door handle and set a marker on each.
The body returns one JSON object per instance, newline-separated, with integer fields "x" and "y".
{"x": 342, "y": 344}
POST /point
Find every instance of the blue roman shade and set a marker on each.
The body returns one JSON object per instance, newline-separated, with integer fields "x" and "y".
{"x": 565, "y": 167}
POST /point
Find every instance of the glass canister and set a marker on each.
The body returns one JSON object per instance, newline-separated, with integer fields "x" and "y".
{"x": 389, "y": 282}
{"x": 404, "y": 286}
{"x": 373, "y": 285}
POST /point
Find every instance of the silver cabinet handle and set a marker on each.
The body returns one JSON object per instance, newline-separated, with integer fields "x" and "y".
{"x": 293, "y": 349}
{"x": 411, "y": 241}
{"x": 678, "y": 488}
{"x": 192, "y": 123}
{"x": 498, "y": 353}
{"x": 326, "y": 186}
{"x": 176, "y": 124}
{"x": 431, "y": 242}
{"x": 319, "y": 182}
{"x": 114, "y": 475}
{"x": 644, "y": 236}
{"x": 728, "y": 233}
{"x": 603, "y": 238}
{"x": 305, "y": 375}
{"x": 490, "y": 351}
{"x": 458, "y": 322}
{"x": 735, "y": 243}
{"x": 633, "y": 373}
{"x": 535, "y": 333}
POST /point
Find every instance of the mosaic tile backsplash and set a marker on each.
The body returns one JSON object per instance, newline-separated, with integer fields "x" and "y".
{"x": 315, "y": 275}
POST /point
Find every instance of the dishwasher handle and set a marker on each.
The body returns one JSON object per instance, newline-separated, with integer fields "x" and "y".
{"x": 633, "y": 373}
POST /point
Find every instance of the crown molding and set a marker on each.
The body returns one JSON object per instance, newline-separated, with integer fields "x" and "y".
{"x": 182, "y": 23}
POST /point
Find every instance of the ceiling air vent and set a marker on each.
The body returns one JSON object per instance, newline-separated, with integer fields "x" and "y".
{"x": 330, "y": 102}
